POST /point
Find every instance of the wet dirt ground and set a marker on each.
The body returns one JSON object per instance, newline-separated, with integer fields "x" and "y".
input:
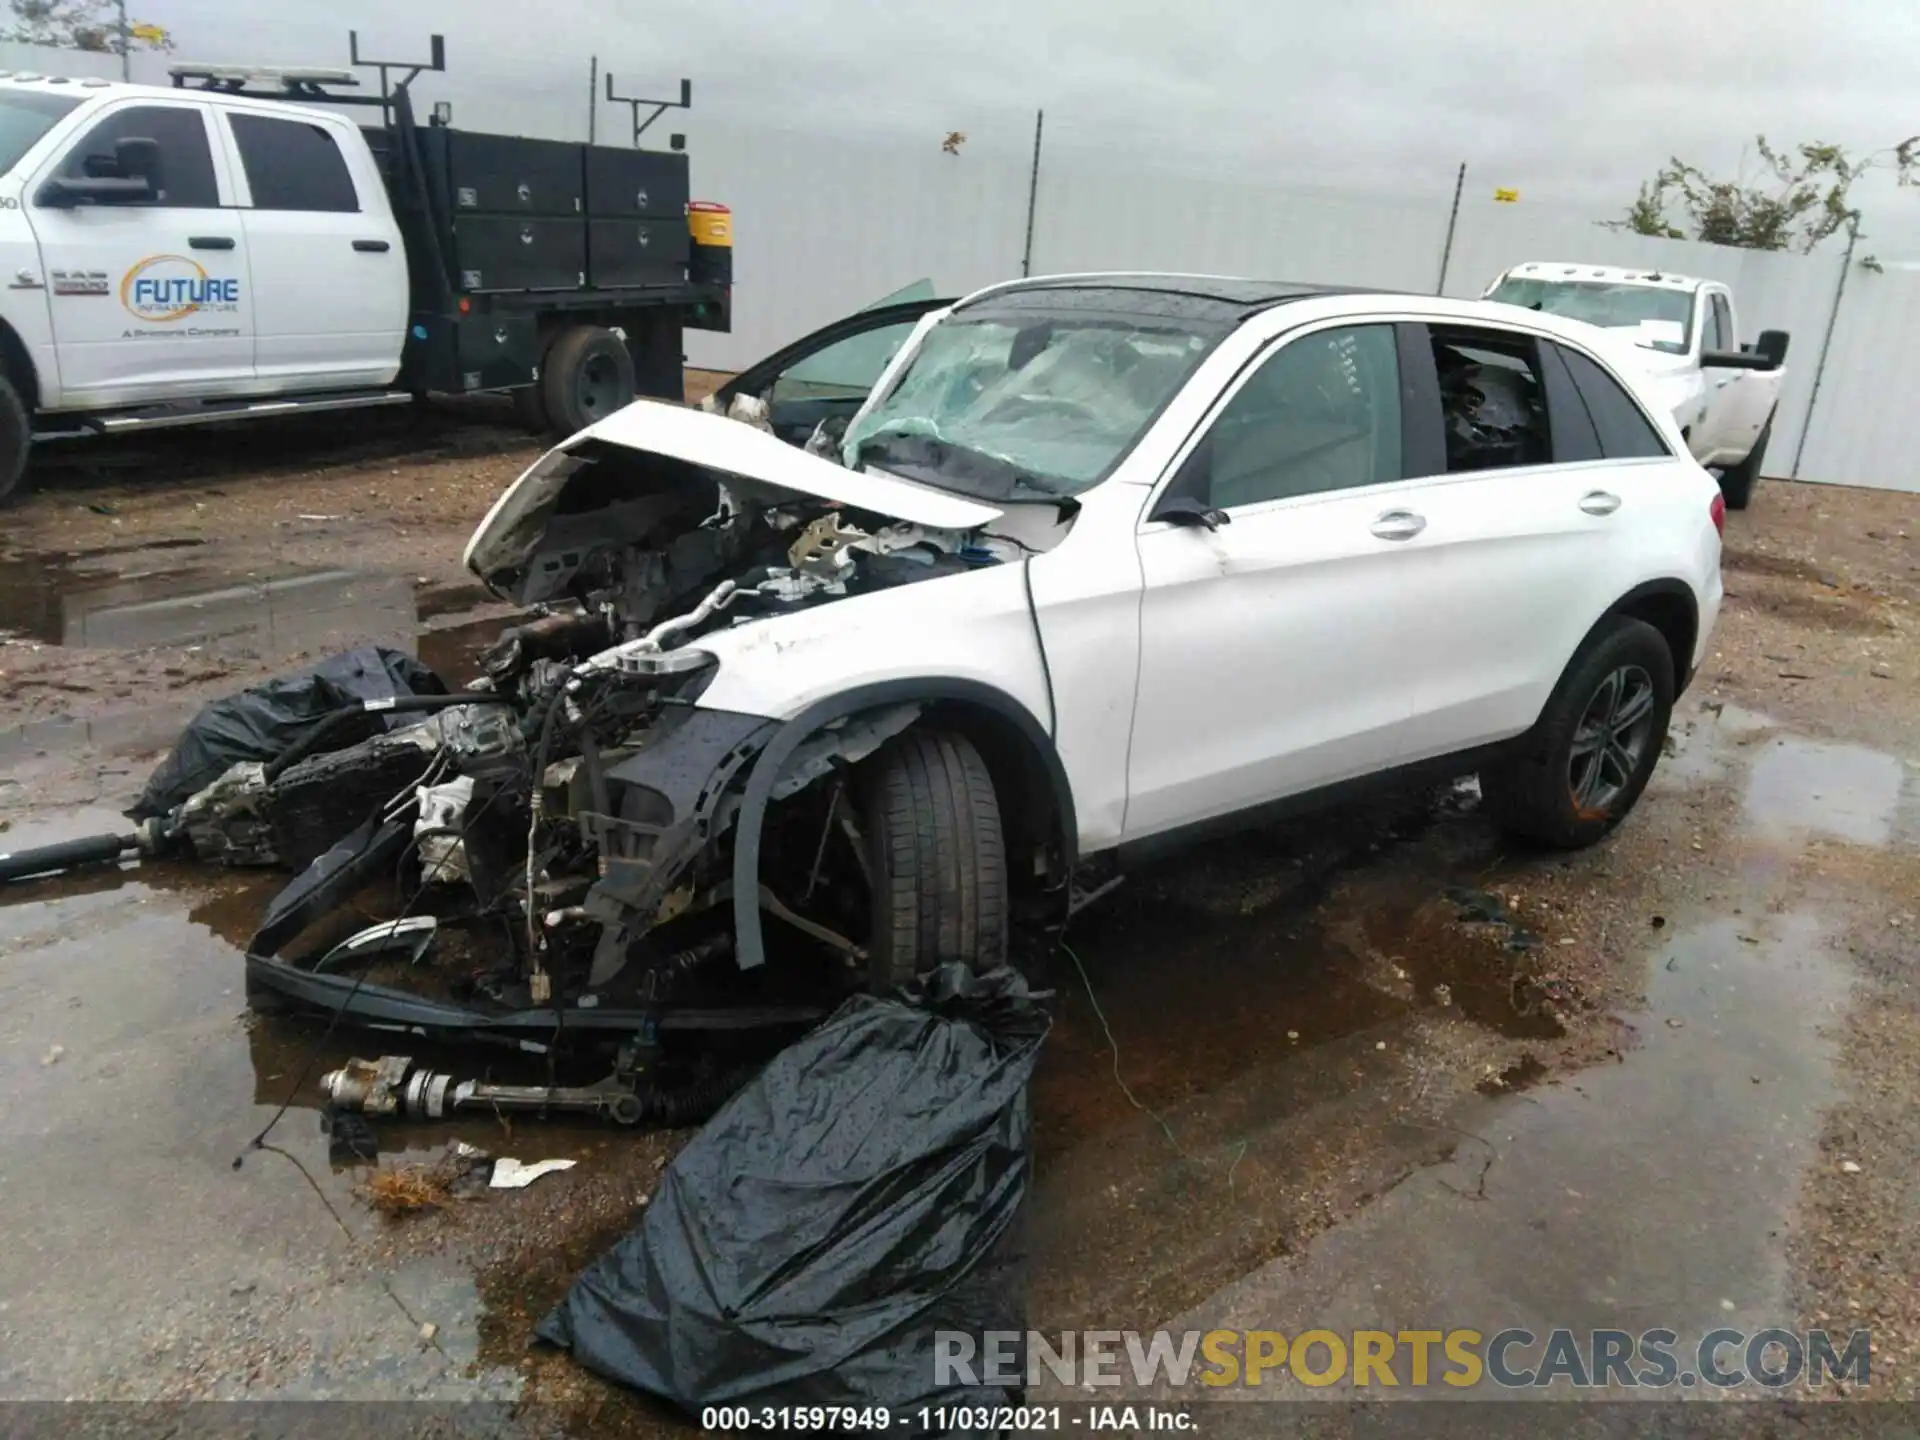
{"x": 1376, "y": 1070}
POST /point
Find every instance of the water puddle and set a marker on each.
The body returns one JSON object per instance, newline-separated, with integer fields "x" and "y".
{"x": 1651, "y": 1192}
{"x": 1803, "y": 787}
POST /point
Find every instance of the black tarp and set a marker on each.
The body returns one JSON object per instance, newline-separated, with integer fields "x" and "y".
{"x": 260, "y": 722}
{"x": 856, "y": 1199}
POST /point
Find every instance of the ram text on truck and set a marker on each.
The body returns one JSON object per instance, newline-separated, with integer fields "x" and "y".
{"x": 1681, "y": 332}
{"x": 227, "y": 250}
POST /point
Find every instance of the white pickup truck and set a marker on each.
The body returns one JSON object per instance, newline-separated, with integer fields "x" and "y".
{"x": 227, "y": 249}
{"x": 1681, "y": 332}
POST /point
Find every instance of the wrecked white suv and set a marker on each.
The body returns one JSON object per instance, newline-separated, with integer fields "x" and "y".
{"x": 957, "y": 598}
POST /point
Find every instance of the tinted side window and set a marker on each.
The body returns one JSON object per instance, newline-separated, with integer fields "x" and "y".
{"x": 1625, "y": 431}
{"x": 293, "y": 166}
{"x": 1321, "y": 413}
{"x": 1492, "y": 398}
{"x": 186, "y": 159}
{"x": 1575, "y": 440}
{"x": 1720, "y": 331}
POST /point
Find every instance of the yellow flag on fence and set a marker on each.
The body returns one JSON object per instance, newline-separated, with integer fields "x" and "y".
{"x": 151, "y": 34}
{"x": 1506, "y": 197}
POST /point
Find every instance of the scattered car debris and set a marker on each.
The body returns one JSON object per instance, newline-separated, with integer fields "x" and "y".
{"x": 510, "y": 1174}
{"x": 402, "y": 1190}
{"x": 864, "y": 1193}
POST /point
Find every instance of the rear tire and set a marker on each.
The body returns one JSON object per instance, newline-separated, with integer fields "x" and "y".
{"x": 939, "y": 864}
{"x": 1579, "y": 771}
{"x": 587, "y": 376}
{"x": 1736, "y": 485}
{"x": 16, "y": 442}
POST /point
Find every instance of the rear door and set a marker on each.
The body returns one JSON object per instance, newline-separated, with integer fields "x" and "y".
{"x": 826, "y": 376}
{"x": 150, "y": 300}
{"x": 1550, "y": 466}
{"x": 329, "y": 270}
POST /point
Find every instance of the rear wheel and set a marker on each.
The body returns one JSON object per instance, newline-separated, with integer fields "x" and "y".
{"x": 1736, "y": 485}
{"x": 1584, "y": 765}
{"x": 587, "y": 376}
{"x": 16, "y": 441}
{"x": 936, "y": 859}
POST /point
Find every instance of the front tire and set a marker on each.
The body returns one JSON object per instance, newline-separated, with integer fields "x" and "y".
{"x": 587, "y": 376}
{"x": 1736, "y": 485}
{"x": 936, "y": 857}
{"x": 1582, "y": 767}
{"x": 16, "y": 441}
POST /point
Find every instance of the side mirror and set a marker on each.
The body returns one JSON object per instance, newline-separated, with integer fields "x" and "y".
{"x": 1191, "y": 514}
{"x": 138, "y": 157}
{"x": 1737, "y": 360}
{"x": 63, "y": 194}
{"x": 1773, "y": 345}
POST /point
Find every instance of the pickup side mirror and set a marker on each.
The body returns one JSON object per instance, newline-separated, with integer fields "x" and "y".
{"x": 1190, "y": 514}
{"x": 1773, "y": 345}
{"x": 130, "y": 176}
{"x": 1755, "y": 359}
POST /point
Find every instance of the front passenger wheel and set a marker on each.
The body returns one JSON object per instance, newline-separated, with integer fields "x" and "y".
{"x": 1582, "y": 767}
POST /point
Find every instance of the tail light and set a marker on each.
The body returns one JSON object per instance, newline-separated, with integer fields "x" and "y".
{"x": 1718, "y": 510}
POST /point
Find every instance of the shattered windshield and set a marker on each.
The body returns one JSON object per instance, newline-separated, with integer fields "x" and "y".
{"x": 1028, "y": 405}
{"x": 1660, "y": 319}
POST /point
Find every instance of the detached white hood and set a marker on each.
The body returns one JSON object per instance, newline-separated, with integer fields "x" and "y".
{"x": 776, "y": 472}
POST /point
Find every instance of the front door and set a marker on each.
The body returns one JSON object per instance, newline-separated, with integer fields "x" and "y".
{"x": 826, "y": 376}
{"x": 149, "y": 300}
{"x": 1273, "y": 648}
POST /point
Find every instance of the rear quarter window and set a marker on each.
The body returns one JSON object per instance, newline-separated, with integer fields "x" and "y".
{"x": 1623, "y": 429}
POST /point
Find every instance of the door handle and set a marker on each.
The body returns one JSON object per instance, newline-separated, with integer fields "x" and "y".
{"x": 1398, "y": 525}
{"x": 1599, "y": 502}
{"x": 372, "y": 247}
{"x": 210, "y": 242}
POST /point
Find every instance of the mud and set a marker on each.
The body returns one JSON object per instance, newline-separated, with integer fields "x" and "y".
{"x": 1284, "y": 1065}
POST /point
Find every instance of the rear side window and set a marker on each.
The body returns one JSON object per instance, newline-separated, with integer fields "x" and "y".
{"x": 1625, "y": 431}
{"x": 1493, "y": 399}
{"x": 186, "y": 160}
{"x": 292, "y": 165}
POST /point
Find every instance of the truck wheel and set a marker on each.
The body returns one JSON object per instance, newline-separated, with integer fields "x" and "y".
{"x": 935, "y": 853}
{"x": 1582, "y": 767}
{"x": 1736, "y": 485}
{"x": 587, "y": 376}
{"x": 16, "y": 441}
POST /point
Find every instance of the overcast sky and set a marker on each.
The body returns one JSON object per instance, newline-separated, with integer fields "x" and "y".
{"x": 1556, "y": 98}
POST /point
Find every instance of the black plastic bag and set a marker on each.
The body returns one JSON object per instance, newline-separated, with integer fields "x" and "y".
{"x": 859, "y": 1196}
{"x": 259, "y": 723}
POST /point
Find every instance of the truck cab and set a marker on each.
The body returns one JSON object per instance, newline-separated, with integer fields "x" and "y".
{"x": 1683, "y": 333}
{"x": 165, "y": 244}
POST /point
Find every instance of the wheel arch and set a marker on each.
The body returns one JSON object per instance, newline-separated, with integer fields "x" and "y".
{"x": 1669, "y": 606}
{"x": 16, "y": 363}
{"x": 1028, "y": 778}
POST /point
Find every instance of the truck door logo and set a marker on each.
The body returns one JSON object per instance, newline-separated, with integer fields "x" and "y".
{"x": 172, "y": 287}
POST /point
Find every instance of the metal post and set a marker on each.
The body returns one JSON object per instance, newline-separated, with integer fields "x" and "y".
{"x": 1453, "y": 218}
{"x": 126, "y": 44}
{"x": 593, "y": 97}
{"x": 1033, "y": 192}
{"x": 1826, "y": 343}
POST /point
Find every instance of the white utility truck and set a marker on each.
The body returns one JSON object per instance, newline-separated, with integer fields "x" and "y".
{"x": 233, "y": 247}
{"x": 1681, "y": 332}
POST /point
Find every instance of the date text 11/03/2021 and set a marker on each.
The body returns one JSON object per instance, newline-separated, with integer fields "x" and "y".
{"x": 945, "y": 1419}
